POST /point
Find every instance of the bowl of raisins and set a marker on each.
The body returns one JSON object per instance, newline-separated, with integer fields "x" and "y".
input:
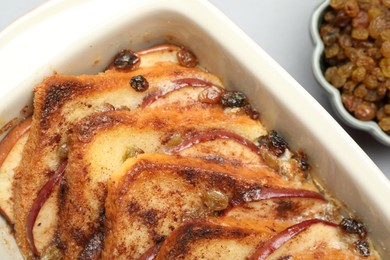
{"x": 351, "y": 61}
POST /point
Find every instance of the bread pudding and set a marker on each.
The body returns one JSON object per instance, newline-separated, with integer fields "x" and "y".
{"x": 154, "y": 159}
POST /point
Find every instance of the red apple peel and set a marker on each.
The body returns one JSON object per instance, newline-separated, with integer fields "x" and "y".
{"x": 178, "y": 84}
{"x": 279, "y": 239}
{"x": 213, "y": 135}
{"x": 40, "y": 200}
{"x": 12, "y": 137}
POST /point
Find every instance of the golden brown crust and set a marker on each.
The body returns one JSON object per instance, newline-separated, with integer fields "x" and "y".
{"x": 185, "y": 237}
{"x": 151, "y": 195}
{"x": 284, "y": 209}
{"x": 88, "y": 172}
{"x": 62, "y": 100}
{"x": 215, "y": 239}
{"x": 220, "y": 238}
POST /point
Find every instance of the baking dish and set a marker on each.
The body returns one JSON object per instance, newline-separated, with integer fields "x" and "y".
{"x": 334, "y": 94}
{"x": 60, "y": 38}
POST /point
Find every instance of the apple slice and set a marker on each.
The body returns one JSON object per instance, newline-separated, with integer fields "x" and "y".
{"x": 224, "y": 143}
{"x": 12, "y": 137}
{"x": 7, "y": 172}
{"x": 11, "y": 148}
{"x": 315, "y": 239}
{"x": 272, "y": 193}
{"x": 178, "y": 84}
{"x": 281, "y": 238}
{"x": 217, "y": 238}
{"x": 151, "y": 253}
{"x": 40, "y": 200}
{"x": 282, "y": 209}
{"x": 212, "y": 135}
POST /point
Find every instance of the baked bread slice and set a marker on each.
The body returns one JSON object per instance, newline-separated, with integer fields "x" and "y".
{"x": 100, "y": 143}
{"x": 215, "y": 238}
{"x": 7, "y": 172}
{"x": 11, "y": 147}
{"x": 152, "y": 194}
{"x": 231, "y": 238}
{"x": 60, "y": 101}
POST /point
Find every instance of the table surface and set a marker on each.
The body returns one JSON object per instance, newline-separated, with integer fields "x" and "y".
{"x": 281, "y": 27}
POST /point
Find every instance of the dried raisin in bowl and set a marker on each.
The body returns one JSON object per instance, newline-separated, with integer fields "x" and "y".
{"x": 319, "y": 68}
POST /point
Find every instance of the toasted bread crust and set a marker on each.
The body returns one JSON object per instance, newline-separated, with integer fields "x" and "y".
{"x": 88, "y": 173}
{"x": 60, "y": 101}
{"x": 153, "y": 208}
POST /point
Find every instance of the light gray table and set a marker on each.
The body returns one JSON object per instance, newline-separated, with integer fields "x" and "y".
{"x": 281, "y": 27}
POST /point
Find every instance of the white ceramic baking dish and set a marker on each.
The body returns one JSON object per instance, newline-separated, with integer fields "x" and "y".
{"x": 75, "y": 37}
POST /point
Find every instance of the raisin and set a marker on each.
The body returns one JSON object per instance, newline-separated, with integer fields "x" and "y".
{"x": 211, "y": 95}
{"x": 337, "y": 4}
{"x": 301, "y": 158}
{"x": 366, "y": 62}
{"x": 371, "y": 81}
{"x": 274, "y": 143}
{"x": 361, "y": 20}
{"x": 332, "y": 50}
{"x": 330, "y": 72}
{"x": 385, "y": 49}
{"x": 349, "y": 87}
{"x": 384, "y": 124}
{"x": 329, "y": 35}
{"x": 278, "y": 142}
{"x": 385, "y": 35}
{"x": 139, "y": 83}
{"x": 173, "y": 140}
{"x": 329, "y": 17}
{"x": 186, "y": 58}
{"x": 365, "y": 111}
{"x": 386, "y": 3}
{"x": 350, "y": 101}
{"x": 234, "y": 99}
{"x": 132, "y": 152}
{"x": 338, "y": 81}
{"x": 345, "y": 41}
{"x": 378, "y": 25}
{"x": 359, "y": 74}
{"x": 346, "y": 70}
{"x": 384, "y": 64}
{"x": 362, "y": 247}
{"x": 251, "y": 112}
{"x": 386, "y": 109}
{"x": 216, "y": 200}
{"x": 353, "y": 227}
{"x": 126, "y": 59}
{"x": 360, "y": 33}
{"x": 351, "y": 8}
{"x": 342, "y": 19}
{"x": 360, "y": 91}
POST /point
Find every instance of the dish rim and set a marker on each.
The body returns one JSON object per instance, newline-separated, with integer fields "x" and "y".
{"x": 333, "y": 93}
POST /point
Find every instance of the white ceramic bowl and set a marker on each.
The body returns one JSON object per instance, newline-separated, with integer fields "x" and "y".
{"x": 334, "y": 94}
{"x": 74, "y": 37}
